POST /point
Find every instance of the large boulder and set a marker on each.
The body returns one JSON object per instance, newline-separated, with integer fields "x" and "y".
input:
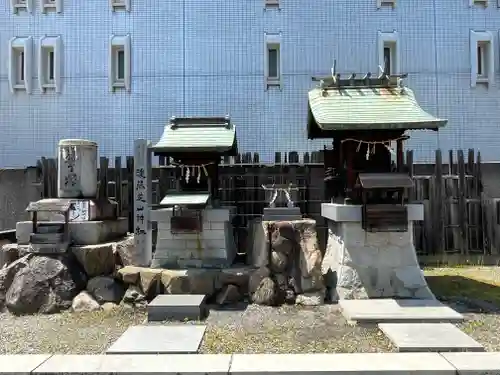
{"x": 106, "y": 289}
{"x": 41, "y": 284}
{"x": 96, "y": 260}
{"x": 126, "y": 252}
{"x": 8, "y": 254}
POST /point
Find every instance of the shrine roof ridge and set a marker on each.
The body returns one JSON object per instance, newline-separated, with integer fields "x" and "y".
{"x": 363, "y": 80}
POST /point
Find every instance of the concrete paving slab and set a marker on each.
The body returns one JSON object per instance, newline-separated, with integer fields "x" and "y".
{"x": 181, "y": 339}
{"x": 429, "y": 337}
{"x": 361, "y": 363}
{"x": 136, "y": 364}
{"x": 398, "y": 311}
{"x": 177, "y": 307}
{"x": 474, "y": 363}
{"x": 21, "y": 363}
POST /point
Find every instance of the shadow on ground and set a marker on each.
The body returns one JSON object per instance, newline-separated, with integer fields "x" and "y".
{"x": 478, "y": 296}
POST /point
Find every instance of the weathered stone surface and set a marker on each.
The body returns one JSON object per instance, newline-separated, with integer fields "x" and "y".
{"x": 109, "y": 306}
{"x": 8, "y": 273}
{"x": 150, "y": 282}
{"x": 84, "y": 302}
{"x": 42, "y": 284}
{"x": 134, "y": 295}
{"x": 126, "y": 251}
{"x": 8, "y": 254}
{"x": 97, "y": 260}
{"x": 310, "y": 299}
{"x": 228, "y": 295}
{"x": 190, "y": 281}
{"x": 105, "y": 289}
{"x": 238, "y": 276}
{"x": 295, "y": 254}
{"x": 129, "y": 274}
{"x": 265, "y": 294}
{"x": 372, "y": 265}
{"x": 278, "y": 262}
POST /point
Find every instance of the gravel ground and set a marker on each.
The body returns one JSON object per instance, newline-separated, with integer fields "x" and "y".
{"x": 256, "y": 329}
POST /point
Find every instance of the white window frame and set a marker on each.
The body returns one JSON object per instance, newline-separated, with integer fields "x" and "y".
{"x": 17, "y": 5}
{"x": 19, "y": 45}
{"x": 270, "y": 41}
{"x": 482, "y": 38}
{"x": 51, "y": 5}
{"x": 478, "y": 2}
{"x": 117, "y": 43}
{"x": 381, "y": 3}
{"x": 46, "y": 45}
{"x": 390, "y": 39}
{"x": 270, "y": 4}
{"x": 119, "y": 5}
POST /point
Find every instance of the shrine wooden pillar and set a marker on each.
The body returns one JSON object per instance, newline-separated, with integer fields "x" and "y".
{"x": 399, "y": 155}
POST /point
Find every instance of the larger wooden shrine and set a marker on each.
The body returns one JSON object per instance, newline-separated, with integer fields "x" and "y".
{"x": 368, "y": 119}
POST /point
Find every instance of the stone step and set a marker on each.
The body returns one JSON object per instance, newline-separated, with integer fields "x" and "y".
{"x": 429, "y": 337}
{"x": 159, "y": 339}
{"x": 398, "y": 311}
{"x": 178, "y": 307}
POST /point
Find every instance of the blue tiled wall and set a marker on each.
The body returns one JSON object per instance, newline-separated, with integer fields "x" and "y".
{"x": 205, "y": 57}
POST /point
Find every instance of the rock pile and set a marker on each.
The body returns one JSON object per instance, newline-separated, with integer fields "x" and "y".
{"x": 84, "y": 278}
{"x": 289, "y": 264}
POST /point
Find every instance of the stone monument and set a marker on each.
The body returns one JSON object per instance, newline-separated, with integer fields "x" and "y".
{"x": 370, "y": 251}
{"x": 88, "y": 219}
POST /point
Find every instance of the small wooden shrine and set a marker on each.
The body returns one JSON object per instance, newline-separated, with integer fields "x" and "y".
{"x": 195, "y": 146}
{"x": 367, "y": 118}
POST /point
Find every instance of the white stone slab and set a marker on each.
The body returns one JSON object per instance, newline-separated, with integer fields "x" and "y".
{"x": 21, "y": 363}
{"x": 136, "y": 364}
{"x": 474, "y": 363}
{"x": 181, "y": 339}
{"x": 361, "y": 363}
{"x": 429, "y": 337}
{"x": 398, "y": 311}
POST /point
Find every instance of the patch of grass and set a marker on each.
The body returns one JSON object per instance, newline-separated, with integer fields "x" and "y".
{"x": 470, "y": 282}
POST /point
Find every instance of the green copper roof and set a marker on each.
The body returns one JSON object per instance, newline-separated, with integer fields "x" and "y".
{"x": 198, "y": 134}
{"x": 368, "y": 108}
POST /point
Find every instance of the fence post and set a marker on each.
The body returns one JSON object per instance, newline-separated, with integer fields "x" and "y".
{"x": 142, "y": 202}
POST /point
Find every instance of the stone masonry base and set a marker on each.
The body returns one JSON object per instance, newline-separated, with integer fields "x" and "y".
{"x": 362, "y": 265}
{"x": 214, "y": 247}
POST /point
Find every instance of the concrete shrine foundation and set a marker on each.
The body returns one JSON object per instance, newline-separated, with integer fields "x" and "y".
{"x": 213, "y": 247}
{"x": 361, "y": 264}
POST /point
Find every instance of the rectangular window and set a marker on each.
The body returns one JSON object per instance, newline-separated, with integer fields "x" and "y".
{"x": 120, "y": 5}
{"x": 381, "y": 3}
{"x": 119, "y": 63}
{"x": 272, "y": 59}
{"x": 18, "y": 5}
{"x": 482, "y": 58}
{"x": 20, "y": 64}
{"x": 51, "y": 5}
{"x": 271, "y": 3}
{"x": 273, "y": 62}
{"x": 388, "y": 54}
{"x": 483, "y": 3}
{"x": 50, "y": 63}
{"x": 20, "y": 68}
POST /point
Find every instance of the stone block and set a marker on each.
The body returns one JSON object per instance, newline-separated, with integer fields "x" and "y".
{"x": 177, "y": 307}
{"x": 96, "y": 260}
{"x": 182, "y": 339}
{"x": 189, "y": 281}
{"x": 281, "y": 214}
{"x": 217, "y": 225}
{"x": 474, "y": 363}
{"x": 21, "y": 364}
{"x": 81, "y": 233}
{"x": 429, "y": 337}
{"x": 352, "y": 363}
{"x": 347, "y": 212}
{"x": 85, "y": 210}
{"x": 396, "y": 311}
{"x": 168, "y": 364}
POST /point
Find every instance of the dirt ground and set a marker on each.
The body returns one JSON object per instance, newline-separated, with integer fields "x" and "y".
{"x": 259, "y": 329}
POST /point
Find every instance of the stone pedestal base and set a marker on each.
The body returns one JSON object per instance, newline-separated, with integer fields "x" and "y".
{"x": 84, "y": 210}
{"x": 361, "y": 264}
{"x": 281, "y": 214}
{"x": 214, "y": 247}
{"x": 81, "y": 232}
